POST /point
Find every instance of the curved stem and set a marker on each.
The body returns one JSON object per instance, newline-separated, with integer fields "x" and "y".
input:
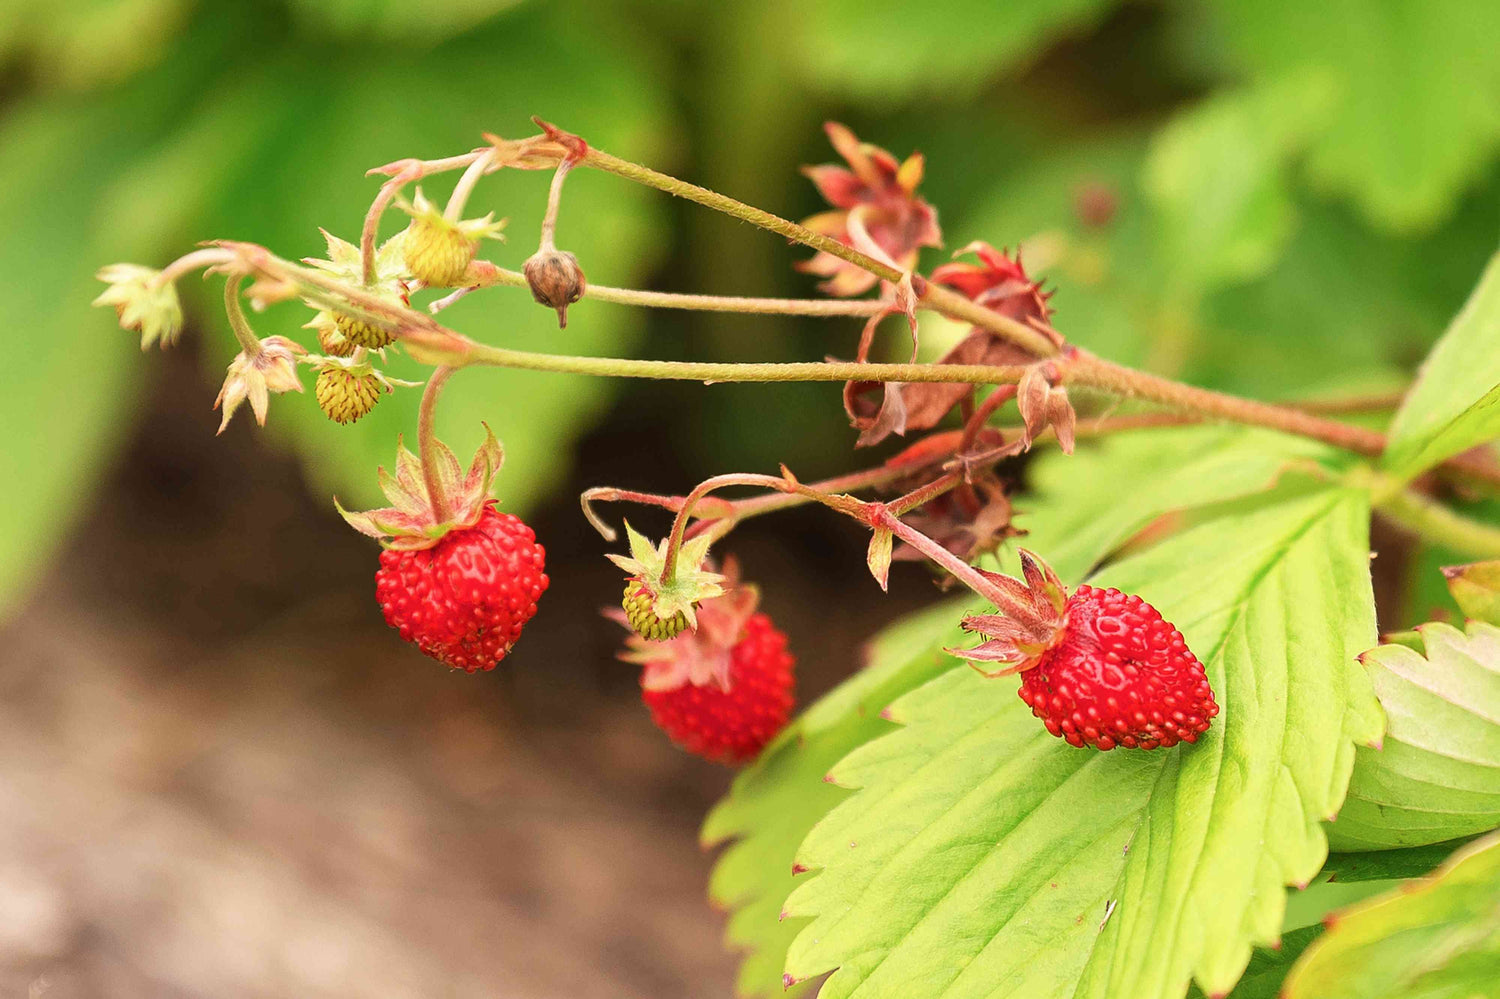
{"x": 372, "y": 223}
{"x": 209, "y": 257}
{"x": 454, "y": 210}
{"x": 249, "y": 342}
{"x": 554, "y": 202}
{"x": 1441, "y": 524}
{"x": 843, "y": 504}
{"x": 961, "y": 570}
{"x": 427, "y": 442}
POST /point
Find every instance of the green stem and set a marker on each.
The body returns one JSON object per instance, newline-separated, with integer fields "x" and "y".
{"x": 711, "y": 372}
{"x": 1086, "y": 369}
{"x": 427, "y": 442}
{"x": 823, "y": 307}
{"x": 1440, "y": 524}
{"x": 948, "y": 302}
{"x": 454, "y": 211}
{"x": 249, "y": 342}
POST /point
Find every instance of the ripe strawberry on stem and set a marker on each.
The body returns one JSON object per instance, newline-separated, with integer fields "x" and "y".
{"x": 724, "y": 691}
{"x": 1098, "y": 667}
{"x": 459, "y": 579}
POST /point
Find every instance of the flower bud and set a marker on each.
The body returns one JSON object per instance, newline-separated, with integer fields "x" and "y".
{"x": 272, "y": 368}
{"x": 143, "y": 302}
{"x": 556, "y": 280}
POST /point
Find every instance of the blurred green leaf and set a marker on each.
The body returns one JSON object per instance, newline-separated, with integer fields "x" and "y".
{"x": 882, "y": 51}
{"x": 1437, "y": 775}
{"x": 401, "y": 20}
{"x": 1456, "y": 401}
{"x": 1216, "y": 176}
{"x": 64, "y": 395}
{"x": 983, "y": 857}
{"x": 337, "y": 116}
{"x": 1385, "y": 865}
{"x": 81, "y": 44}
{"x": 1419, "y": 115}
{"x": 1440, "y": 937}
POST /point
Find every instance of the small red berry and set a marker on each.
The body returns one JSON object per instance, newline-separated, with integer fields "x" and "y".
{"x": 732, "y": 726}
{"x": 725, "y": 689}
{"x": 1120, "y": 675}
{"x": 1099, "y": 667}
{"x": 464, "y": 600}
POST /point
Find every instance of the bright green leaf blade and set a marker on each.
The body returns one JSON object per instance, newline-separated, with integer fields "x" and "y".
{"x": 1455, "y": 403}
{"x": 877, "y": 51}
{"x": 1420, "y": 111}
{"x": 1437, "y": 938}
{"x": 981, "y": 856}
{"x": 1437, "y": 775}
{"x": 1089, "y": 504}
{"x": 1085, "y": 507}
{"x": 775, "y": 802}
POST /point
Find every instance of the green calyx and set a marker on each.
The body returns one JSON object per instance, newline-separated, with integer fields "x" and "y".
{"x": 650, "y": 596}
{"x": 410, "y": 523}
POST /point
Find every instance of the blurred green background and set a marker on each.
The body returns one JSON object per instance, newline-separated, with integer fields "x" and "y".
{"x": 1299, "y": 198}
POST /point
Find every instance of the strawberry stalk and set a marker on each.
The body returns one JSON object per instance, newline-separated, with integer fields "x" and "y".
{"x": 427, "y": 442}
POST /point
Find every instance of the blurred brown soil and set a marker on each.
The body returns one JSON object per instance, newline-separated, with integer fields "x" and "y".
{"x": 222, "y": 775}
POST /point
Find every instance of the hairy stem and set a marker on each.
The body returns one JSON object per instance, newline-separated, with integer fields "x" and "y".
{"x": 1086, "y": 369}
{"x": 965, "y": 573}
{"x": 249, "y": 342}
{"x": 371, "y": 228}
{"x": 948, "y": 302}
{"x": 1440, "y": 524}
{"x": 454, "y": 210}
{"x": 554, "y": 203}
{"x": 427, "y": 442}
{"x": 492, "y": 275}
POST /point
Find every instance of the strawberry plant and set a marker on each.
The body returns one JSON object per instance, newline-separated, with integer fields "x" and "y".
{"x": 1116, "y": 761}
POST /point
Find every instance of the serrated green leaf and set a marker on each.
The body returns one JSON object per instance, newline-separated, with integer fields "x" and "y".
{"x": 1437, "y": 775}
{"x": 1455, "y": 403}
{"x": 1436, "y": 938}
{"x": 1216, "y": 177}
{"x": 1476, "y": 589}
{"x": 776, "y": 800}
{"x": 983, "y": 857}
{"x": 1419, "y": 115}
{"x": 1085, "y": 507}
{"x": 877, "y": 51}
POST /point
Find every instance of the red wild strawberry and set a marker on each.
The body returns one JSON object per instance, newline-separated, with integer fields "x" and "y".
{"x": 723, "y": 691}
{"x": 460, "y": 587}
{"x": 464, "y": 600}
{"x": 1099, "y": 667}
